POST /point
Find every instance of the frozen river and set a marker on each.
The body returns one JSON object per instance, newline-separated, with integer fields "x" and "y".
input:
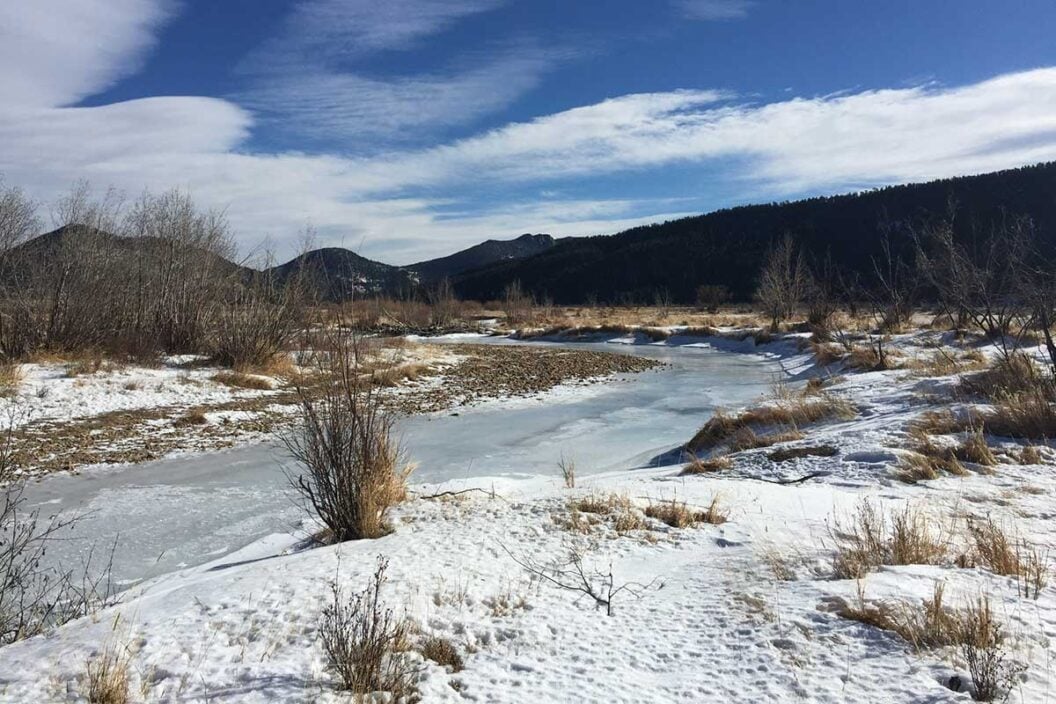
{"x": 179, "y": 512}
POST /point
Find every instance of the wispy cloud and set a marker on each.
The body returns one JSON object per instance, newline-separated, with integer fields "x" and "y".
{"x": 313, "y": 77}
{"x": 709, "y": 10}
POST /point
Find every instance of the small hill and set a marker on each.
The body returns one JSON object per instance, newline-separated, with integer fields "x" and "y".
{"x": 488, "y": 252}
{"x": 338, "y": 274}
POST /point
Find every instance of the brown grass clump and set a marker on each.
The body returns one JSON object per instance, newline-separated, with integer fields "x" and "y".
{"x": 567, "y": 466}
{"x": 869, "y": 541}
{"x": 790, "y": 453}
{"x": 788, "y": 413}
{"x": 194, "y": 416}
{"x": 974, "y": 449}
{"x": 828, "y": 353}
{"x": 601, "y": 504}
{"x": 395, "y": 375}
{"x": 678, "y": 514}
{"x": 927, "y": 626}
{"x": 1029, "y": 415}
{"x": 863, "y": 358}
{"x": 106, "y": 678}
{"x": 706, "y": 466}
{"x": 240, "y": 380}
{"x": 1006, "y": 376}
{"x": 1030, "y": 455}
{"x": 443, "y": 652}
{"x": 996, "y": 551}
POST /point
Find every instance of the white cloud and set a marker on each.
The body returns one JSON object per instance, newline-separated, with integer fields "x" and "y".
{"x": 714, "y": 9}
{"x": 803, "y": 144}
{"x": 57, "y": 52}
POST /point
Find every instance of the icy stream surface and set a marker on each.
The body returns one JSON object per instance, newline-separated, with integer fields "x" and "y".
{"x": 184, "y": 511}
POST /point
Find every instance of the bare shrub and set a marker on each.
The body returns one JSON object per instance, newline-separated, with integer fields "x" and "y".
{"x": 353, "y": 467}
{"x": 982, "y": 641}
{"x": 568, "y": 471}
{"x": 517, "y": 306}
{"x": 871, "y": 540}
{"x": 10, "y": 377}
{"x": 364, "y": 642}
{"x": 257, "y": 322}
{"x": 782, "y": 282}
{"x": 1010, "y": 557}
{"x": 575, "y": 576}
{"x": 34, "y": 595}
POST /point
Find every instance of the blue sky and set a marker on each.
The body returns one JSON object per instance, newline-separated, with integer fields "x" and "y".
{"x": 410, "y": 128}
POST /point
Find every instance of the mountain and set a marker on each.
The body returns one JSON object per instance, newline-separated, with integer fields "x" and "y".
{"x": 338, "y": 274}
{"x": 726, "y": 247}
{"x": 488, "y": 252}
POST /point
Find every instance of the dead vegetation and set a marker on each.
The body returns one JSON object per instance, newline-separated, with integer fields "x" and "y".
{"x": 10, "y": 377}
{"x": 790, "y": 453}
{"x": 614, "y": 510}
{"x": 707, "y": 465}
{"x": 106, "y": 677}
{"x": 742, "y": 430}
{"x": 240, "y": 380}
{"x": 871, "y": 539}
{"x": 353, "y": 467}
{"x": 567, "y": 466}
{"x": 365, "y": 643}
{"x": 679, "y": 514}
{"x": 443, "y": 652}
{"x": 992, "y": 548}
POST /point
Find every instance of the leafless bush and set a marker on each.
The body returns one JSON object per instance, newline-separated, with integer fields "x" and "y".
{"x": 352, "y": 466}
{"x": 35, "y": 596}
{"x": 364, "y": 642}
{"x": 257, "y": 322}
{"x": 711, "y": 296}
{"x": 573, "y": 575}
{"x": 982, "y": 640}
{"x": 782, "y": 282}
{"x": 517, "y": 305}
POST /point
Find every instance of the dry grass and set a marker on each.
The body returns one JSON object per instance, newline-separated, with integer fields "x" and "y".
{"x": 678, "y": 514}
{"x": 443, "y": 652}
{"x": 828, "y": 353}
{"x": 1030, "y": 455}
{"x": 106, "y": 677}
{"x": 870, "y": 540}
{"x": 932, "y": 625}
{"x": 240, "y": 380}
{"x": 395, "y": 375}
{"x": 10, "y": 378}
{"x": 568, "y": 471}
{"x": 589, "y": 512}
{"x": 789, "y": 413}
{"x": 194, "y": 416}
{"x": 1009, "y": 376}
{"x": 863, "y": 358}
{"x": 925, "y": 626}
{"x": 993, "y": 549}
{"x": 706, "y": 466}
{"x": 601, "y": 504}
{"x": 790, "y": 453}
{"x": 973, "y": 448}
{"x": 1030, "y": 415}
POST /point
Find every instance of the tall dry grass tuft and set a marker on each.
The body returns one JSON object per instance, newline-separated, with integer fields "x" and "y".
{"x": 106, "y": 677}
{"x": 10, "y": 377}
{"x": 870, "y": 540}
{"x": 678, "y": 514}
{"x": 992, "y": 548}
{"x": 353, "y": 469}
{"x": 568, "y": 471}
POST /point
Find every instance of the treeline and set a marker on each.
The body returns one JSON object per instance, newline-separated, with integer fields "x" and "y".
{"x": 725, "y": 250}
{"x": 137, "y": 280}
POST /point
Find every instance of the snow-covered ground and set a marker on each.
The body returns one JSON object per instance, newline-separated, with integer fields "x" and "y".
{"x": 742, "y": 611}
